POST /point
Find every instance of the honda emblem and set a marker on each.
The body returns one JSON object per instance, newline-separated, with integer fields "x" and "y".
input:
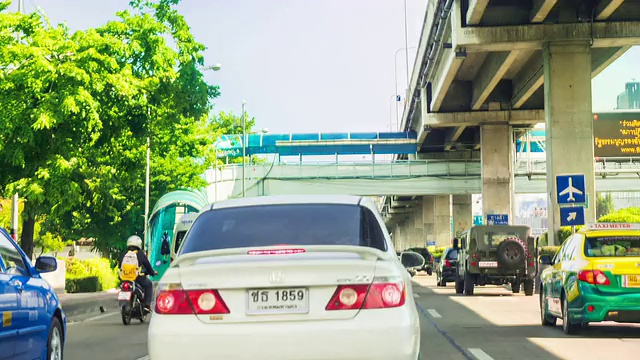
{"x": 276, "y": 277}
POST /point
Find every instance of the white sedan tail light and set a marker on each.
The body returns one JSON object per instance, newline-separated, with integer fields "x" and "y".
{"x": 378, "y": 295}
{"x": 173, "y": 300}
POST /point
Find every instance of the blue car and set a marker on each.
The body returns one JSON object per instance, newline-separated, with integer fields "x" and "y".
{"x": 33, "y": 323}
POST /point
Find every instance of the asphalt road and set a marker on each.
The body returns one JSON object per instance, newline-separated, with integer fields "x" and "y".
{"x": 106, "y": 338}
{"x": 493, "y": 324}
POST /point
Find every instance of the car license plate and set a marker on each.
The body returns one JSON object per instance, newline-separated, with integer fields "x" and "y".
{"x": 631, "y": 281}
{"x": 269, "y": 301}
{"x": 124, "y": 295}
{"x": 488, "y": 264}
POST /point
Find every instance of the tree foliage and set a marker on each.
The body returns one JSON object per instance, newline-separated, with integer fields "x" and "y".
{"x": 77, "y": 111}
{"x": 604, "y": 204}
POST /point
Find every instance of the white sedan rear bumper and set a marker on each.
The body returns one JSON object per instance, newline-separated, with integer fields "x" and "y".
{"x": 384, "y": 334}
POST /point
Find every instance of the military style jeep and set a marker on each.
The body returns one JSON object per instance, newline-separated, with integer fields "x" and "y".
{"x": 496, "y": 255}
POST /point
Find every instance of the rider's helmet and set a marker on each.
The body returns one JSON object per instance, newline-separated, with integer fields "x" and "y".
{"x": 135, "y": 241}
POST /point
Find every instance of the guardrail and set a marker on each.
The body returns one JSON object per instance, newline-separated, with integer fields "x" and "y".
{"x": 408, "y": 169}
{"x": 537, "y": 165}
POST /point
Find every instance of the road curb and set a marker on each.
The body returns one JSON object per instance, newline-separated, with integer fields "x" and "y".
{"x": 81, "y": 305}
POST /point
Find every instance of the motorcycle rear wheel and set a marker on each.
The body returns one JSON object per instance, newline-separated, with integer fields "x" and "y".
{"x": 125, "y": 312}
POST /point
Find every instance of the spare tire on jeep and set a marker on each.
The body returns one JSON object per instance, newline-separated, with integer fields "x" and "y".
{"x": 512, "y": 253}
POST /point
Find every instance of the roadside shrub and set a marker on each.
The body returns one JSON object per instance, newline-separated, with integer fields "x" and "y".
{"x": 83, "y": 284}
{"x": 90, "y": 275}
{"x": 626, "y": 215}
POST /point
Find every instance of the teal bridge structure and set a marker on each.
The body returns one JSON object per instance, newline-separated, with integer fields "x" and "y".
{"x": 170, "y": 207}
{"x": 413, "y": 177}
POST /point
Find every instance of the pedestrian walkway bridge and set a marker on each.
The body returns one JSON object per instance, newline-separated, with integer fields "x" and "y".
{"x": 398, "y": 178}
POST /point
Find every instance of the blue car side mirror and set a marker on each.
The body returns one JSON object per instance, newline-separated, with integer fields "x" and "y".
{"x": 45, "y": 264}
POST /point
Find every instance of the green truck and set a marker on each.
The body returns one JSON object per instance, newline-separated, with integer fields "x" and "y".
{"x": 496, "y": 255}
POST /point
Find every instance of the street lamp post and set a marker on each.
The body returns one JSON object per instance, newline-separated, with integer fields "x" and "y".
{"x": 393, "y": 99}
{"x": 215, "y": 168}
{"x": 406, "y": 40}
{"x": 215, "y": 67}
{"x": 395, "y": 70}
{"x": 244, "y": 149}
{"x": 146, "y": 190}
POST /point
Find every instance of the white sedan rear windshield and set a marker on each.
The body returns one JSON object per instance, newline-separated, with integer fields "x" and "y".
{"x": 614, "y": 246}
{"x": 291, "y": 224}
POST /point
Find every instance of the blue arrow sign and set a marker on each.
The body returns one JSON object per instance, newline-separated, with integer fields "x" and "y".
{"x": 572, "y": 216}
{"x": 497, "y": 219}
{"x": 431, "y": 243}
{"x": 571, "y": 189}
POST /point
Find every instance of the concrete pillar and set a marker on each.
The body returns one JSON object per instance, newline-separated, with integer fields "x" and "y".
{"x": 497, "y": 169}
{"x": 442, "y": 221}
{"x": 417, "y": 235}
{"x": 436, "y": 216}
{"x": 398, "y": 235}
{"x": 428, "y": 218}
{"x": 569, "y": 122}
{"x": 462, "y": 213}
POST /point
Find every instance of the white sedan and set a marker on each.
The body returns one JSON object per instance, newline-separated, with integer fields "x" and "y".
{"x": 286, "y": 277}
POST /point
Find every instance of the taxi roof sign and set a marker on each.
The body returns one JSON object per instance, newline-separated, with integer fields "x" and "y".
{"x": 613, "y": 226}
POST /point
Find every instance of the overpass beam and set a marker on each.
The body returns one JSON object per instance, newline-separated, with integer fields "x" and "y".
{"x": 452, "y": 137}
{"x": 527, "y": 81}
{"x": 491, "y": 72}
{"x": 475, "y": 11}
{"x": 602, "y": 58}
{"x": 497, "y": 169}
{"x": 462, "y": 213}
{"x": 447, "y": 71}
{"x": 569, "y": 122}
{"x": 606, "y": 8}
{"x": 541, "y": 9}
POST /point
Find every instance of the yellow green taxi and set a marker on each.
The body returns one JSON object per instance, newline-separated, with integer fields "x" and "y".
{"x": 594, "y": 277}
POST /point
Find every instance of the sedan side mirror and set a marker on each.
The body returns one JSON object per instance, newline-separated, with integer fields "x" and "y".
{"x": 45, "y": 264}
{"x": 412, "y": 260}
{"x": 545, "y": 260}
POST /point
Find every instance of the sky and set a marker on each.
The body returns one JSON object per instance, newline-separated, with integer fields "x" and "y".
{"x": 301, "y": 65}
{"x": 309, "y": 65}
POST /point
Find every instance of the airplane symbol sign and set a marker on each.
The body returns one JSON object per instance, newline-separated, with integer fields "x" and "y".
{"x": 571, "y": 189}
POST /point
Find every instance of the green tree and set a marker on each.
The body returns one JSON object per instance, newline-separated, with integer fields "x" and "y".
{"x": 604, "y": 204}
{"x": 79, "y": 108}
{"x": 49, "y": 242}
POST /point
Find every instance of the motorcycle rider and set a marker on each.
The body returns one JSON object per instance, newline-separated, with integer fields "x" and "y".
{"x": 130, "y": 268}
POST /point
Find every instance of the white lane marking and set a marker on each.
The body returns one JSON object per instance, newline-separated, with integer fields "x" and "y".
{"x": 146, "y": 357}
{"x": 479, "y": 354}
{"x": 71, "y": 323}
{"x": 416, "y": 295}
{"x": 434, "y": 313}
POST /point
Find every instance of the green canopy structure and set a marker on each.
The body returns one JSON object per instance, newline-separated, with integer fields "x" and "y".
{"x": 162, "y": 220}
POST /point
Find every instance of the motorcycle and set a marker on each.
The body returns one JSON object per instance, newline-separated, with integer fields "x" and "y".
{"x": 130, "y": 300}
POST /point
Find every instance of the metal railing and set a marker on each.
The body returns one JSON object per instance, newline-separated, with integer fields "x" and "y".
{"x": 414, "y": 169}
